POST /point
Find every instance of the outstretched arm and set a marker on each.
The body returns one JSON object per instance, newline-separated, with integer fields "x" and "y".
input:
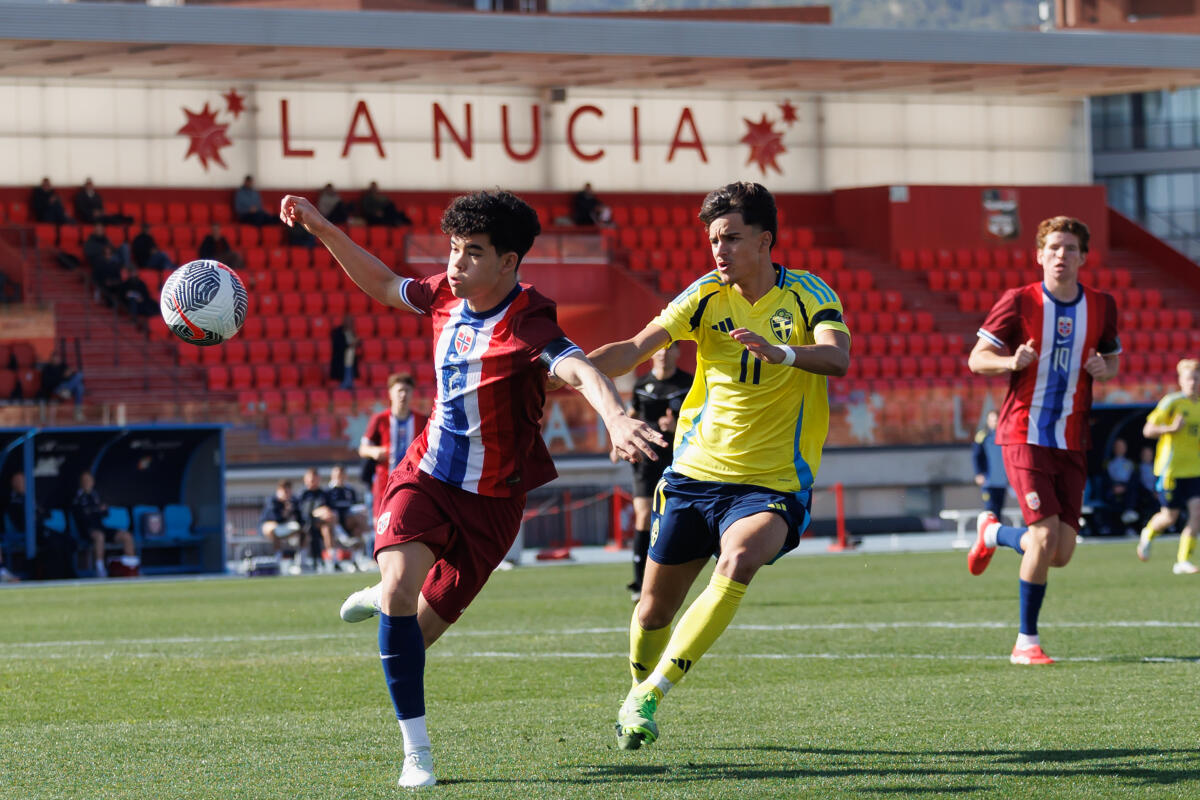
{"x": 617, "y": 358}
{"x": 830, "y": 355}
{"x": 632, "y": 439}
{"x": 371, "y": 274}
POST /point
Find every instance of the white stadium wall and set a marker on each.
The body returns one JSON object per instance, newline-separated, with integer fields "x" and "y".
{"x": 137, "y": 134}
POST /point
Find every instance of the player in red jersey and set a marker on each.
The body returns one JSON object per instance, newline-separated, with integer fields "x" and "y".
{"x": 389, "y": 433}
{"x": 452, "y": 507}
{"x": 1054, "y": 338}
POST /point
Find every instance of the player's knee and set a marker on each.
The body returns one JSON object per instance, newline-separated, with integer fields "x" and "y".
{"x": 653, "y": 614}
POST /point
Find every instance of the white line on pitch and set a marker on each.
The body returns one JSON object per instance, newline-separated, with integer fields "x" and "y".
{"x": 360, "y": 631}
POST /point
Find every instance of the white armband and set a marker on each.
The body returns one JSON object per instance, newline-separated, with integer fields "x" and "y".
{"x": 789, "y": 356}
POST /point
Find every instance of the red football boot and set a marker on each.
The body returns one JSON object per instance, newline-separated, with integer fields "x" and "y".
{"x": 980, "y": 554}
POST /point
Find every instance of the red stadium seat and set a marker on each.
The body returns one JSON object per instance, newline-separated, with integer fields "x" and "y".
{"x": 284, "y": 280}
{"x": 358, "y": 303}
{"x": 241, "y": 377}
{"x": 973, "y": 280}
{"x": 937, "y": 280}
{"x": 306, "y": 280}
{"x": 212, "y": 356}
{"x": 298, "y": 258}
{"x": 335, "y": 305}
{"x": 1133, "y": 363}
{"x": 264, "y": 376}
{"x": 924, "y": 322}
{"x": 963, "y": 259}
{"x": 154, "y": 212}
{"x": 249, "y": 236}
{"x": 177, "y": 214}
{"x": 296, "y": 327}
{"x": 256, "y": 258}
{"x": 271, "y": 235}
{"x": 295, "y": 401}
{"x": 258, "y": 351}
{"x": 386, "y": 324}
{"x": 1000, "y": 258}
{"x": 253, "y": 328}
{"x": 330, "y": 281}
{"x": 279, "y": 429}
{"x": 290, "y": 303}
{"x": 313, "y": 304}
{"x": 46, "y": 234}
{"x": 271, "y": 401}
{"x": 907, "y": 259}
{"x": 199, "y": 214}
{"x": 954, "y": 280}
{"x": 218, "y": 376}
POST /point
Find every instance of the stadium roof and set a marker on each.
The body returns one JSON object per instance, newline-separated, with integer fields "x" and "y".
{"x": 107, "y": 41}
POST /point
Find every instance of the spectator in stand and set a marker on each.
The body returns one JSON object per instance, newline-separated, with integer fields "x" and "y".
{"x": 989, "y": 466}
{"x": 331, "y": 205}
{"x": 345, "y": 353}
{"x": 377, "y": 209}
{"x": 59, "y": 380}
{"x": 280, "y": 520}
{"x": 136, "y": 299}
{"x": 316, "y": 519}
{"x": 389, "y": 433}
{"x": 89, "y": 207}
{"x": 588, "y": 209}
{"x": 215, "y": 247}
{"x": 1147, "y": 483}
{"x": 46, "y": 205}
{"x": 1120, "y": 485}
{"x": 144, "y": 252}
{"x": 351, "y": 525}
{"x": 248, "y": 205}
{"x": 89, "y": 513}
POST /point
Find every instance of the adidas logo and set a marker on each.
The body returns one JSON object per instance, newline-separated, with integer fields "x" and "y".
{"x": 637, "y": 666}
{"x": 724, "y": 326}
{"x": 683, "y": 663}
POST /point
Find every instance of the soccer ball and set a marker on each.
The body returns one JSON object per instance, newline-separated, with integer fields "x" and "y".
{"x": 203, "y": 302}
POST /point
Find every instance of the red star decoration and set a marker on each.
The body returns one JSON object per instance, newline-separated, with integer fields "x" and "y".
{"x": 207, "y": 136}
{"x": 235, "y": 103}
{"x": 789, "y": 112}
{"x": 765, "y": 144}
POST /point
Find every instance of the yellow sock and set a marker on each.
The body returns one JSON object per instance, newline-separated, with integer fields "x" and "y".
{"x": 1150, "y": 533}
{"x": 645, "y": 648}
{"x": 1187, "y": 543}
{"x": 704, "y": 621}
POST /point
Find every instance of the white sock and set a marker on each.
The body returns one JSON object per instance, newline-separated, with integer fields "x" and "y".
{"x": 659, "y": 681}
{"x": 130, "y": 561}
{"x": 989, "y": 534}
{"x": 100, "y": 569}
{"x": 415, "y": 736}
{"x": 1025, "y": 640}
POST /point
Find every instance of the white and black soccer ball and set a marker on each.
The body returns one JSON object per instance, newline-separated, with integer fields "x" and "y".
{"x": 204, "y": 302}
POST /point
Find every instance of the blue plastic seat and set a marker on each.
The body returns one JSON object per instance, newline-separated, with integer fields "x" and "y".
{"x": 177, "y": 521}
{"x": 116, "y": 518}
{"x": 139, "y": 519}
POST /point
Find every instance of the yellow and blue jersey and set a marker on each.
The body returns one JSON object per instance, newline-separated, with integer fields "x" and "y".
{"x": 1177, "y": 454}
{"x": 745, "y": 420}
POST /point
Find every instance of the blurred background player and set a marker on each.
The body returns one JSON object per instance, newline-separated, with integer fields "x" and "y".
{"x": 989, "y": 466}
{"x": 280, "y": 520}
{"x": 316, "y": 522}
{"x": 89, "y": 513}
{"x": 1054, "y": 338}
{"x": 1120, "y": 490}
{"x": 389, "y": 433}
{"x": 453, "y": 506}
{"x": 350, "y": 523}
{"x": 750, "y": 437}
{"x": 1175, "y": 422}
{"x": 657, "y": 398}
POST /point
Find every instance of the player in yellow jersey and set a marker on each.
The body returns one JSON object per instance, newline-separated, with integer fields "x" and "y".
{"x": 1175, "y": 422}
{"x": 747, "y": 444}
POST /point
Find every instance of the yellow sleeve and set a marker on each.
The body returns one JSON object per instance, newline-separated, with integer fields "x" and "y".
{"x": 676, "y": 318}
{"x": 1164, "y": 412}
{"x": 822, "y": 306}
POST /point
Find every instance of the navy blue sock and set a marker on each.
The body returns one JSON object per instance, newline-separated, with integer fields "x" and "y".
{"x": 1032, "y": 595}
{"x": 402, "y": 653}
{"x": 1009, "y": 536}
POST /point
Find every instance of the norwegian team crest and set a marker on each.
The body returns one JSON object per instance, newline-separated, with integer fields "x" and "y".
{"x": 464, "y": 338}
{"x": 781, "y": 325}
{"x": 1033, "y": 501}
{"x": 381, "y": 524}
{"x": 1065, "y": 326}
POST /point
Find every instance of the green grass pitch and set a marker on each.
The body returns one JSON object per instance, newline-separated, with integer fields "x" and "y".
{"x": 873, "y": 676}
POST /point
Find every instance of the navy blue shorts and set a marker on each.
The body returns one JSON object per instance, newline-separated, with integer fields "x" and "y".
{"x": 689, "y": 516}
{"x": 1176, "y": 498}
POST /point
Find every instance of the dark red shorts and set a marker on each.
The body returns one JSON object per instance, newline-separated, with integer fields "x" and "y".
{"x": 469, "y": 533}
{"x": 1048, "y": 481}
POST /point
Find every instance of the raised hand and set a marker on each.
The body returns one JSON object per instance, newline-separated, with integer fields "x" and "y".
{"x": 1024, "y": 356}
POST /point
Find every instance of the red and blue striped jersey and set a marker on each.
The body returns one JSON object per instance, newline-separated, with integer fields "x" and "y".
{"x": 1049, "y": 401}
{"x": 484, "y": 433}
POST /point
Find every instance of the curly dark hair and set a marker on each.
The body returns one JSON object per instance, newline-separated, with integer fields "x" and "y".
{"x": 751, "y": 200}
{"x": 509, "y": 221}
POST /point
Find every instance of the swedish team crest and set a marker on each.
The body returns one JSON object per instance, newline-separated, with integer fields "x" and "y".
{"x": 781, "y": 325}
{"x": 1065, "y": 326}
